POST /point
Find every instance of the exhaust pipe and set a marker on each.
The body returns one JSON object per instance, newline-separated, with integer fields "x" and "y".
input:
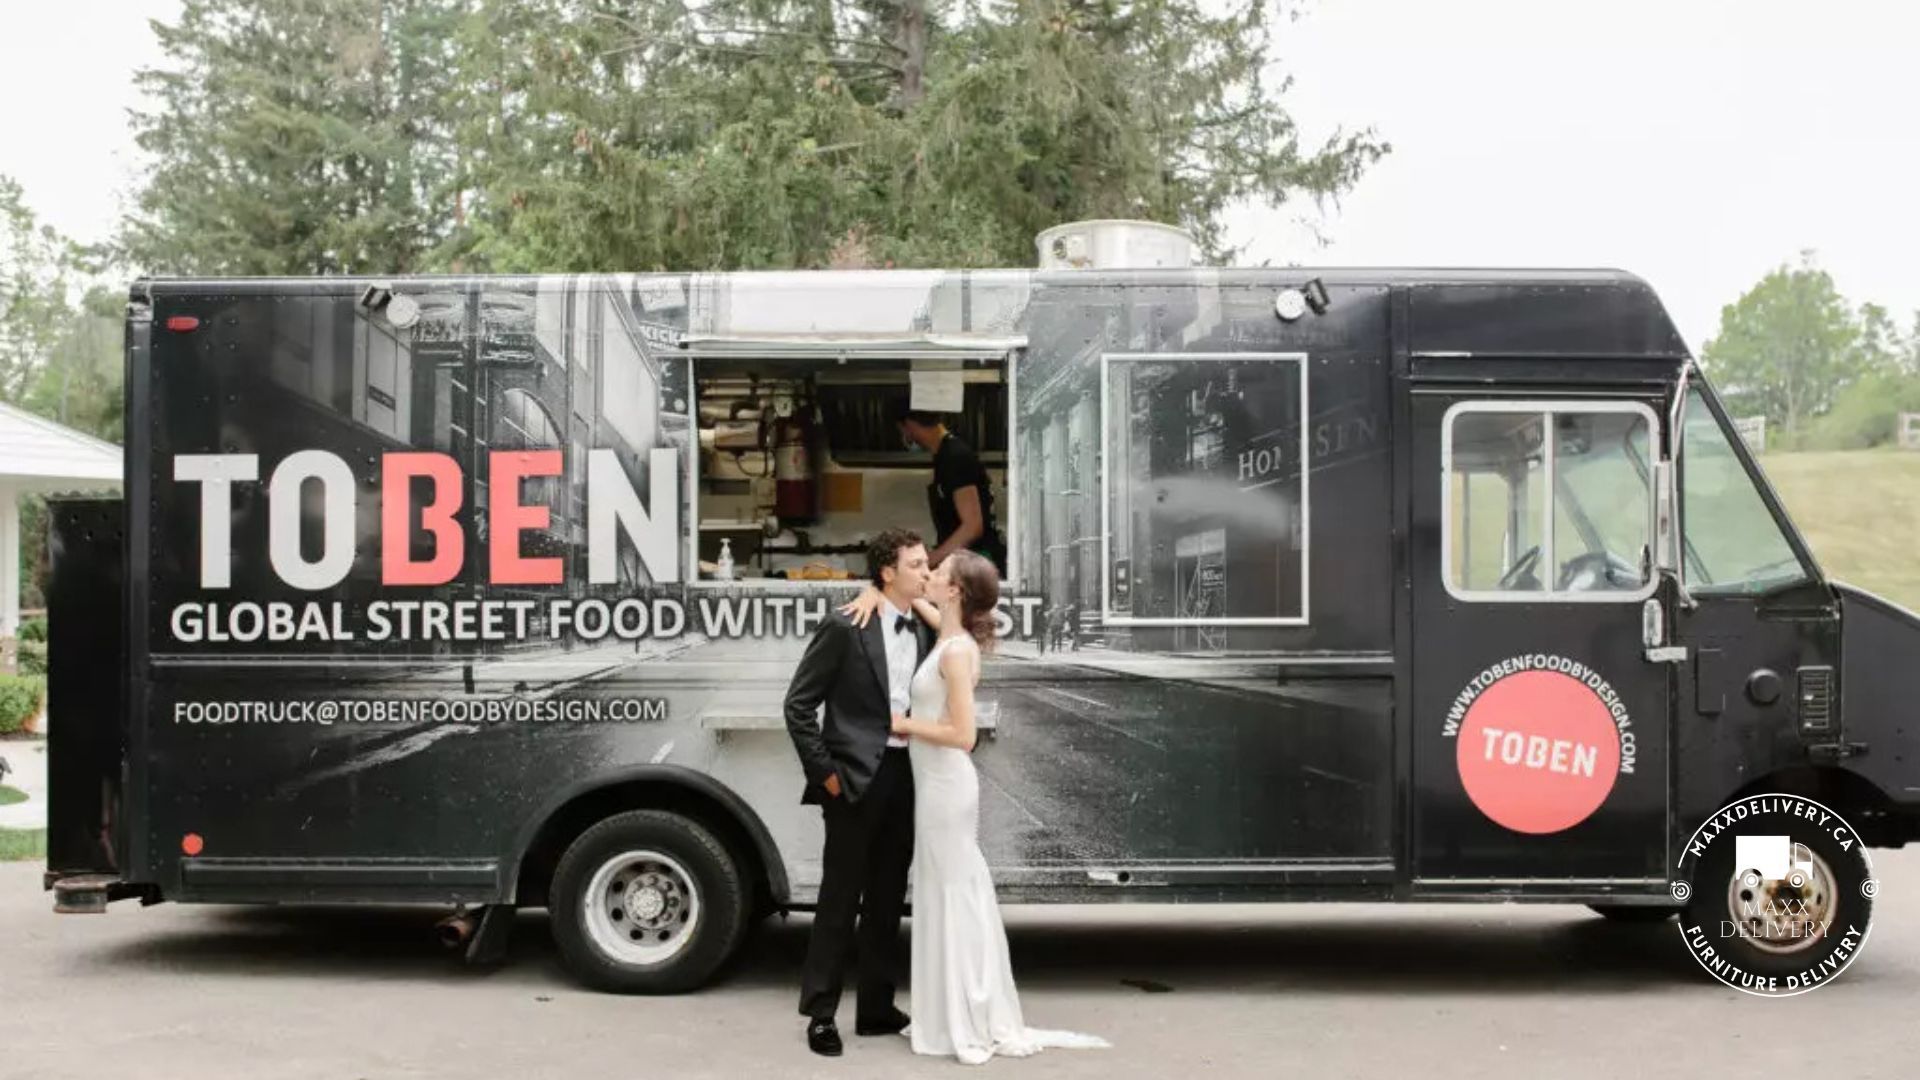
{"x": 456, "y": 930}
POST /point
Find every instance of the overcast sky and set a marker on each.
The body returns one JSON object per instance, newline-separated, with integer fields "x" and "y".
{"x": 1697, "y": 143}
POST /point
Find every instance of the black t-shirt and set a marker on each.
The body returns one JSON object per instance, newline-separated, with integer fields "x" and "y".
{"x": 956, "y": 466}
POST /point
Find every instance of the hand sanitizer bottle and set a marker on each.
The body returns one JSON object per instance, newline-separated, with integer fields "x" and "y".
{"x": 724, "y": 568}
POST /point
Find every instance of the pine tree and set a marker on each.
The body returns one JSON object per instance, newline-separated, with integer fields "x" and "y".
{"x": 319, "y": 136}
{"x": 297, "y": 137}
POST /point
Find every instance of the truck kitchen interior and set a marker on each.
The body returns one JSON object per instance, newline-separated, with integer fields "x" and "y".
{"x": 801, "y": 459}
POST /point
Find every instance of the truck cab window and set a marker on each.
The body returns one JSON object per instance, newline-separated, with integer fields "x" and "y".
{"x": 1733, "y": 544}
{"x": 1534, "y": 516}
{"x": 1497, "y": 487}
{"x": 1603, "y": 523}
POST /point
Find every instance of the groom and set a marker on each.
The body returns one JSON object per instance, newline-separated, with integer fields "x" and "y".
{"x": 857, "y": 772}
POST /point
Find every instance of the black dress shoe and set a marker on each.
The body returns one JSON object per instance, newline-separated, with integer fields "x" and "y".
{"x": 892, "y": 1024}
{"x": 823, "y": 1037}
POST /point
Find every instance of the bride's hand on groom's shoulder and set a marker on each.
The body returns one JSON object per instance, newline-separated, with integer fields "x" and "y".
{"x": 861, "y": 608}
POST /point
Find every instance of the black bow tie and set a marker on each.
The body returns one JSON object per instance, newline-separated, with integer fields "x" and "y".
{"x": 902, "y": 622}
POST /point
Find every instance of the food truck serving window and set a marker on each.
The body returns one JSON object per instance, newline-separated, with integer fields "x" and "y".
{"x": 800, "y": 456}
{"x": 1548, "y": 500}
{"x": 1204, "y": 499}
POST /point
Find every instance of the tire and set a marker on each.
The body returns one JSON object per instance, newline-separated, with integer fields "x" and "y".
{"x": 669, "y": 904}
{"x": 1836, "y": 894}
{"x": 1634, "y": 913}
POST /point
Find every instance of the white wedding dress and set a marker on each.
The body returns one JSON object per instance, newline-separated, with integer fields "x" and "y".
{"x": 963, "y": 1002}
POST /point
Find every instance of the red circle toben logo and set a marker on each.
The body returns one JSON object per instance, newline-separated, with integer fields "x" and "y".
{"x": 1538, "y": 751}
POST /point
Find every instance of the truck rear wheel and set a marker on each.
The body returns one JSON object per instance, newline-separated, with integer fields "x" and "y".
{"x": 647, "y": 902}
{"x": 1781, "y": 927}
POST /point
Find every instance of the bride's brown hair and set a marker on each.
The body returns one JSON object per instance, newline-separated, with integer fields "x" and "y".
{"x": 979, "y": 585}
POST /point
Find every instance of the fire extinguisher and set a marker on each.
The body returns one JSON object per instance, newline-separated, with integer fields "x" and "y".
{"x": 796, "y": 491}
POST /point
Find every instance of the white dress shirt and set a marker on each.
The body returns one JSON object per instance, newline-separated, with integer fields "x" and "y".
{"x": 903, "y": 647}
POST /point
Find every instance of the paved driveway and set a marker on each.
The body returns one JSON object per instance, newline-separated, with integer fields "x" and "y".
{"x": 1320, "y": 991}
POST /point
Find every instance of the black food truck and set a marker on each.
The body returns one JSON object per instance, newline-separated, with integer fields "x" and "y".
{"x": 1393, "y": 585}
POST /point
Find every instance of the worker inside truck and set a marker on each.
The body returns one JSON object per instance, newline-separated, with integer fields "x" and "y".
{"x": 960, "y": 495}
{"x": 801, "y": 459}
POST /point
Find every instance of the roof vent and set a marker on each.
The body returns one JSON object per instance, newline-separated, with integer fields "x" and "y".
{"x": 1115, "y": 245}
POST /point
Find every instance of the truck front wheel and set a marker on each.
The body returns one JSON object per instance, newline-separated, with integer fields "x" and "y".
{"x": 646, "y": 902}
{"x": 1787, "y": 926}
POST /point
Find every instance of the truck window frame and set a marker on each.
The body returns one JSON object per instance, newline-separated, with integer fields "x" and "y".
{"x": 1008, "y": 355}
{"x": 1108, "y": 615}
{"x": 1546, "y": 409}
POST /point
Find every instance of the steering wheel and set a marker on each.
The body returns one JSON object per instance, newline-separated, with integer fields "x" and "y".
{"x": 1519, "y": 569}
{"x": 1597, "y": 571}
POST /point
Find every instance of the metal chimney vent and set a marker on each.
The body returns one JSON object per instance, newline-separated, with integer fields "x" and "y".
{"x": 1115, "y": 245}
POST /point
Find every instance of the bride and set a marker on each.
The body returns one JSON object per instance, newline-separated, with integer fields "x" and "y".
{"x": 963, "y": 1000}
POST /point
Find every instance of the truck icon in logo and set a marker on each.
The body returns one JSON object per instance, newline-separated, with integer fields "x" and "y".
{"x": 1772, "y": 858}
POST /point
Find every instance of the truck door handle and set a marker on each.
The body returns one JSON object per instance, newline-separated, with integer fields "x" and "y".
{"x": 1653, "y": 635}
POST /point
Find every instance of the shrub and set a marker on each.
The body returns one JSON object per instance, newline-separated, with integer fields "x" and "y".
{"x": 22, "y": 844}
{"x": 34, "y": 629}
{"x": 1864, "y": 415}
{"x": 20, "y": 697}
{"x": 33, "y": 657}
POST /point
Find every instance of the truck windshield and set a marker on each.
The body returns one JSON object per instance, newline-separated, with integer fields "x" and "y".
{"x": 1733, "y": 543}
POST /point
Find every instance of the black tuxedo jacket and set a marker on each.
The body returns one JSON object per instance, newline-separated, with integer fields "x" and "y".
{"x": 846, "y": 670}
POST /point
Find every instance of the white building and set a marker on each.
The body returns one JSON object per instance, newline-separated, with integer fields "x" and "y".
{"x": 38, "y": 456}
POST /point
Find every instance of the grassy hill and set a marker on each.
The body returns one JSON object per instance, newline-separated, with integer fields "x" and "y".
{"x": 1861, "y": 512}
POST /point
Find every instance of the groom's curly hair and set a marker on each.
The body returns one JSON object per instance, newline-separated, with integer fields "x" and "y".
{"x": 884, "y": 550}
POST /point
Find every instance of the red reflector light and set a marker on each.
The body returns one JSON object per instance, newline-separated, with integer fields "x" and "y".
{"x": 182, "y": 323}
{"x": 192, "y": 844}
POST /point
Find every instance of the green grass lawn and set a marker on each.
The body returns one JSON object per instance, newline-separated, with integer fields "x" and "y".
{"x": 22, "y": 844}
{"x": 9, "y": 796}
{"x": 1861, "y": 512}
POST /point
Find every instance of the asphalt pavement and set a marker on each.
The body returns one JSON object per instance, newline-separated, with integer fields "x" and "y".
{"x": 1271, "y": 991}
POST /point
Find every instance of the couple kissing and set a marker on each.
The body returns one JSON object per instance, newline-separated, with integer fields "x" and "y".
{"x": 889, "y": 764}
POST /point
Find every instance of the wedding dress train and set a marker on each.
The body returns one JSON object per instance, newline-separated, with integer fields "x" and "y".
{"x": 963, "y": 1000}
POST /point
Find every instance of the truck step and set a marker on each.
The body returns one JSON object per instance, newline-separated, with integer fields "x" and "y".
{"x": 83, "y": 894}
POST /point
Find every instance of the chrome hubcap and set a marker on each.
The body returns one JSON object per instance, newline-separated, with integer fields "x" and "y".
{"x": 642, "y": 907}
{"x": 1783, "y": 916}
